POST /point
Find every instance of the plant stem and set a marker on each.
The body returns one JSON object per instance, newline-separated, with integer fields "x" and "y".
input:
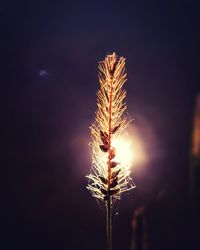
{"x": 109, "y": 198}
{"x": 109, "y": 222}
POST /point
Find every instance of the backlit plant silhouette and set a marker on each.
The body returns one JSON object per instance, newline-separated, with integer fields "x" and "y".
{"x": 110, "y": 171}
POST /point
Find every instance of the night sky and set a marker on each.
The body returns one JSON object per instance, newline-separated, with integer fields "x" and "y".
{"x": 49, "y": 60}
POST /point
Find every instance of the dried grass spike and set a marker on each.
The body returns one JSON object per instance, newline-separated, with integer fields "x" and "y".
{"x": 108, "y": 178}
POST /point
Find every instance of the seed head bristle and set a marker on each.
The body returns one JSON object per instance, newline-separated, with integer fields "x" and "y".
{"x": 108, "y": 177}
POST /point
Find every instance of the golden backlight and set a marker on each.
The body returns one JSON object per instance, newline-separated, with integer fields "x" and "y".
{"x": 124, "y": 151}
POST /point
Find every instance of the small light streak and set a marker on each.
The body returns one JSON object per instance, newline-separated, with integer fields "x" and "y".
{"x": 43, "y": 74}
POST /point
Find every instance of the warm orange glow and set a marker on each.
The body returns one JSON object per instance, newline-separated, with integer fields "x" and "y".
{"x": 196, "y": 130}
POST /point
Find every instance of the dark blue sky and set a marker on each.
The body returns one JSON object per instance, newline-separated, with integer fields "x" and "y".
{"x": 45, "y": 203}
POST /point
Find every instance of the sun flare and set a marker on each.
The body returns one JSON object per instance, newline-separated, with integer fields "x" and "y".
{"x": 124, "y": 151}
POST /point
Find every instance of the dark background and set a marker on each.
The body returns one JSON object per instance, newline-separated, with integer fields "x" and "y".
{"x": 49, "y": 57}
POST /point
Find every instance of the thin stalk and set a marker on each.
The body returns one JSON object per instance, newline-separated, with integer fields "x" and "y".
{"x": 109, "y": 201}
{"x": 109, "y": 222}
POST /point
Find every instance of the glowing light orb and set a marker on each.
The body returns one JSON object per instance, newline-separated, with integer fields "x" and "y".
{"x": 124, "y": 151}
